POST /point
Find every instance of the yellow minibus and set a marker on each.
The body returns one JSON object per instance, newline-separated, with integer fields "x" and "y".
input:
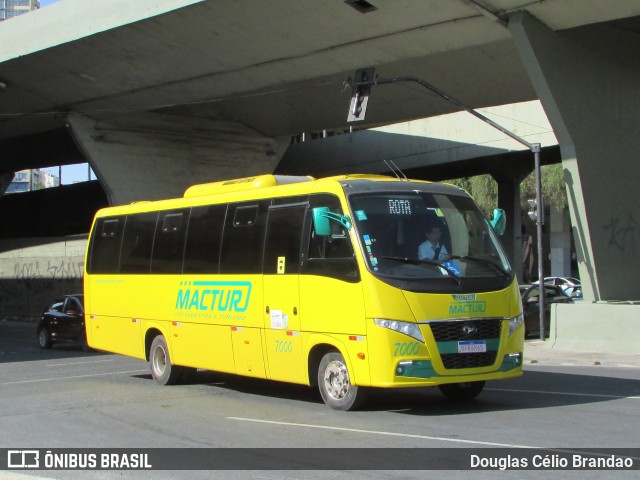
{"x": 348, "y": 283}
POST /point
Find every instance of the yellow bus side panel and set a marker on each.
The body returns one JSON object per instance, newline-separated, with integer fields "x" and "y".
{"x": 247, "y": 352}
{"x": 115, "y": 334}
{"x": 285, "y": 356}
{"x": 283, "y": 339}
{"x": 197, "y": 314}
{"x": 202, "y": 346}
{"x": 331, "y": 305}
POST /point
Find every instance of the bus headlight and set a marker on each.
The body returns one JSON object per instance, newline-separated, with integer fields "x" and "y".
{"x": 407, "y": 328}
{"x": 515, "y": 322}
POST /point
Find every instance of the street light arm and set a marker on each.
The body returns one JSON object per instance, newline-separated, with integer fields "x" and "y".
{"x": 449, "y": 98}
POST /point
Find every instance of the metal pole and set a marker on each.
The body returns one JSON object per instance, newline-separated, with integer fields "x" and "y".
{"x": 539, "y": 224}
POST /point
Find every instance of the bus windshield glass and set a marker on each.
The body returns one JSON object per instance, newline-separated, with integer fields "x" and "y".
{"x": 421, "y": 235}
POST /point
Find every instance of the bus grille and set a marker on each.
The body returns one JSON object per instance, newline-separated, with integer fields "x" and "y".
{"x": 480, "y": 329}
{"x": 468, "y": 360}
{"x": 456, "y": 331}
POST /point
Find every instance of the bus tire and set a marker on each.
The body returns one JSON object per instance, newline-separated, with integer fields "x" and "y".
{"x": 335, "y": 385}
{"x": 461, "y": 392}
{"x": 162, "y": 370}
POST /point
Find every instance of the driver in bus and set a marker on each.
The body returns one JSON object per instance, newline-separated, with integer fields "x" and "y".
{"x": 431, "y": 248}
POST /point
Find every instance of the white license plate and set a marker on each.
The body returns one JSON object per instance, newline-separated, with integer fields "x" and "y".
{"x": 472, "y": 347}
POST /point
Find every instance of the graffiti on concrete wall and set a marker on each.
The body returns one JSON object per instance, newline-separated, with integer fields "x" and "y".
{"x": 624, "y": 234}
{"x": 27, "y": 285}
{"x": 51, "y": 269}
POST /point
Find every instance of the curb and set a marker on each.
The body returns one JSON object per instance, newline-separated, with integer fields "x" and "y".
{"x": 543, "y": 354}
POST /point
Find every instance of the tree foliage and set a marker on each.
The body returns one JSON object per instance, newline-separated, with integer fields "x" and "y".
{"x": 484, "y": 189}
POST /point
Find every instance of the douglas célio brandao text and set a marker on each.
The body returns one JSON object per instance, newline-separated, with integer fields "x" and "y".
{"x": 559, "y": 461}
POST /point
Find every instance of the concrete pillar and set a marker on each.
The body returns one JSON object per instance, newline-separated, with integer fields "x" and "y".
{"x": 509, "y": 201}
{"x": 588, "y": 83}
{"x": 150, "y": 156}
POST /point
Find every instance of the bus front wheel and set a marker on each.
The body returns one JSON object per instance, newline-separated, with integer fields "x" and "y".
{"x": 335, "y": 385}
{"x": 461, "y": 392}
{"x": 162, "y": 370}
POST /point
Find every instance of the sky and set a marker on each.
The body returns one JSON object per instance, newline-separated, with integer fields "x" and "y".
{"x": 44, "y": 3}
{"x": 72, "y": 173}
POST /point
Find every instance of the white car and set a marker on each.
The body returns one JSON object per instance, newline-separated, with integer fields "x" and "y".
{"x": 562, "y": 282}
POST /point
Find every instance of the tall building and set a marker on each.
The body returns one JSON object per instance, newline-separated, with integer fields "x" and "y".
{"x": 12, "y": 8}
{"x": 29, "y": 180}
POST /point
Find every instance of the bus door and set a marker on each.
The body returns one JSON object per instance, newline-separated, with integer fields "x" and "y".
{"x": 282, "y": 309}
{"x": 241, "y": 256}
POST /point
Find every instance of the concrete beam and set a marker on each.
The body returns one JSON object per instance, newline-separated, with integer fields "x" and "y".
{"x": 80, "y": 19}
{"x": 150, "y": 156}
{"x": 588, "y": 87}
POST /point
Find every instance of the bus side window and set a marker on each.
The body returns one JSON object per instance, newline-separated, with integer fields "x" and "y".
{"x": 284, "y": 236}
{"x": 243, "y": 237}
{"x": 204, "y": 236}
{"x": 104, "y": 254}
{"x": 168, "y": 245}
{"x": 138, "y": 242}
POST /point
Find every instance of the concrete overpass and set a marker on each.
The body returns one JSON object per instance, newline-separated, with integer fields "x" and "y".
{"x": 160, "y": 95}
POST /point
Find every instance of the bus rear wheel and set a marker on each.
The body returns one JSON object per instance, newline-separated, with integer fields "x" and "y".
{"x": 335, "y": 385}
{"x": 162, "y": 370}
{"x": 461, "y": 392}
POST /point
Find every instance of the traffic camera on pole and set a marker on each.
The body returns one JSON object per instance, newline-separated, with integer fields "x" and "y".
{"x": 360, "y": 89}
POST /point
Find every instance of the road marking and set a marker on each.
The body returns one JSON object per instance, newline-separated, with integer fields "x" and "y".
{"x": 78, "y": 363}
{"x": 376, "y": 432}
{"x": 74, "y": 376}
{"x": 571, "y": 394}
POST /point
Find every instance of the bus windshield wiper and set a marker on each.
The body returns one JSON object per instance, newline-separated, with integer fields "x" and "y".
{"x": 479, "y": 260}
{"x": 414, "y": 261}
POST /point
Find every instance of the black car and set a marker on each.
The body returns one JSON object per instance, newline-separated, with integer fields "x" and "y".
{"x": 63, "y": 321}
{"x": 531, "y": 307}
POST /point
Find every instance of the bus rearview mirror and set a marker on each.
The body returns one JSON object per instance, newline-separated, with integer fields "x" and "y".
{"x": 321, "y": 221}
{"x": 499, "y": 221}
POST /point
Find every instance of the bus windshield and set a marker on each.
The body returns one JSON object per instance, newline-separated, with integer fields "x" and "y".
{"x": 421, "y": 235}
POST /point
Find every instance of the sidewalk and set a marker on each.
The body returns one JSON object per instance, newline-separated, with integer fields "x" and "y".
{"x": 542, "y": 353}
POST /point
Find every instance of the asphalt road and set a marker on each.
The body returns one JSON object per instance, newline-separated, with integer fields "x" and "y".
{"x": 67, "y": 398}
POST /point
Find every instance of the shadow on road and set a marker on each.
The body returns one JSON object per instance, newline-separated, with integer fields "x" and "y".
{"x": 19, "y": 343}
{"x": 549, "y": 390}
